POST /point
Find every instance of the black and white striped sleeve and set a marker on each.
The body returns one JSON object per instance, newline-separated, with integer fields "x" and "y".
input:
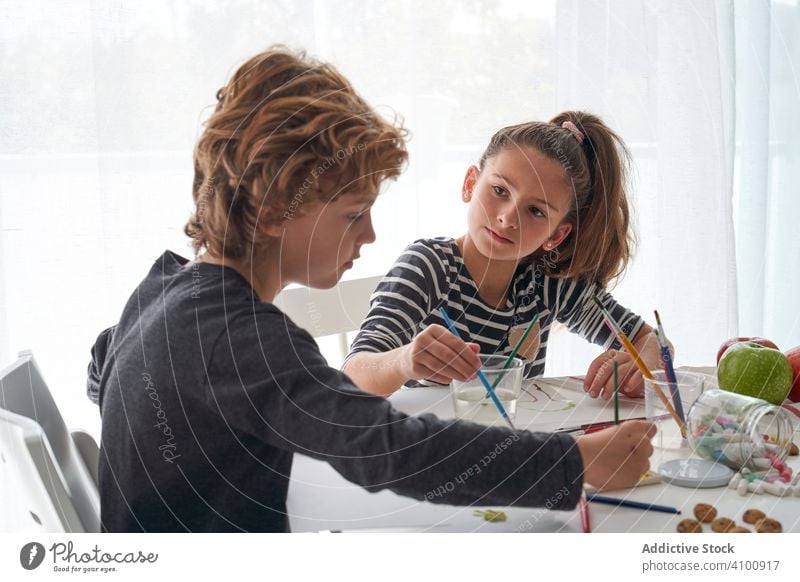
{"x": 402, "y": 300}
{"x": 573, "y": 306}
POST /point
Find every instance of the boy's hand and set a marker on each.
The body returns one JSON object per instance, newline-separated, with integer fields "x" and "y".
{"x": 436, "y": 354}
{"x": 616, "y": 457}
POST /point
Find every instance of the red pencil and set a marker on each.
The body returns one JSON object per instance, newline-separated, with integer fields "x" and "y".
{"x": 595, "y": 426}
{"x": 592, "y": 429}
{"x": 587, "y": 526}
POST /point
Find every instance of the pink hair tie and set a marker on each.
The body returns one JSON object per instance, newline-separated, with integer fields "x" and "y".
{"x": 576, "y": 133}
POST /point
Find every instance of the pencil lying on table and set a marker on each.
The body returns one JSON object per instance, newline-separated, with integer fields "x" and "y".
{"x": 630, "y": 503}
{"x": 595, "y": 426}
{"x": 585, "y": 523}
{"x": 637, "y": 359}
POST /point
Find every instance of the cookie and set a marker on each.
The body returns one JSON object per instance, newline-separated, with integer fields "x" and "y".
{"x": 768, "y": 525}
{"x": 689, "y": 526}
{"x": 722, "y": 524}
{"x": 705, "y": 512}
{"x": 753, "y": 515}
{"x": 739, "y": 529}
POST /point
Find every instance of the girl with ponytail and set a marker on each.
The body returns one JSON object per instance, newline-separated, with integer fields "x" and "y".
{"x": 548, "y": 229}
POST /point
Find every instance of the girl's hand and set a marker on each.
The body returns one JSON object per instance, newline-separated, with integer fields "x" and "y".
{"x": 599, "y": 379}
{"x": 616, "y": 457}
{"x": 436, "y": 354}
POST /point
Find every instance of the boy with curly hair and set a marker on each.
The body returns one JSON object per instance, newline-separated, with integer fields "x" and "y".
{"x": 206, "y": 389}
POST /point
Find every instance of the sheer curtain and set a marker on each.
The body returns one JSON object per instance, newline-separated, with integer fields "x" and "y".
{"x": 662, "y": 74}
{"x": 766, "y": 200}
{"x": 102, "y": 102}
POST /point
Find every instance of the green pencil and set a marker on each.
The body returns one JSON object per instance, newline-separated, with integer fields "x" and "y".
{"x": 513, "y": 354}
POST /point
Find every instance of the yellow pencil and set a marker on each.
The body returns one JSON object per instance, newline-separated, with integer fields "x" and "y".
{"x": 637, "y": 359}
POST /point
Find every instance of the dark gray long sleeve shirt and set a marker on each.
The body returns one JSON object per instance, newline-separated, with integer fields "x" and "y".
{"x": 206, "y": 392}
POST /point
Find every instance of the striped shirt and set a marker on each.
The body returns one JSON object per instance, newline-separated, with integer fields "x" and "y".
{"x": 431, "y": 273}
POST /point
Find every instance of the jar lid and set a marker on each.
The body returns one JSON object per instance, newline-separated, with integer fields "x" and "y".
{"x": 695, "y": 473}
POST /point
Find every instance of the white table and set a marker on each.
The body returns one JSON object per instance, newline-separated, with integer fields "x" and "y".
{"x": 320, "y": 499}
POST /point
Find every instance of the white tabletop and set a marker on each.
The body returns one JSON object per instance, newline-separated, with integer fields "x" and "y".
{"x": 320, "y": 499}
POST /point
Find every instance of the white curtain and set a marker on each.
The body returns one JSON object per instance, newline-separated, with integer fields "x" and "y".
{"x": 766, "y": 195}
{"x": 101, "y": 103}
{"x": 661, "y": 73}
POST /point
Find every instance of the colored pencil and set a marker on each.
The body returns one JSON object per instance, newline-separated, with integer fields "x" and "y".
{"x": 587, "y": 526}
{"x": 513, "y": 354}
{"x": 629, "y": 347}
{"x": 616, "y": 393}
{"x": 594, "y": 426}
{"x": 669, "y": 370}
{"x": 629, "y": 503}
{"x": 481, "y": 375}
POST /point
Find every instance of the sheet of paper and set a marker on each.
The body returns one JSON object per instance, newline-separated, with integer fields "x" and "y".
{"x": 549, "y": 404}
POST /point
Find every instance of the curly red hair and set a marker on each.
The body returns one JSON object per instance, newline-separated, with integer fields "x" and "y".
{"x": 287, "y": 130}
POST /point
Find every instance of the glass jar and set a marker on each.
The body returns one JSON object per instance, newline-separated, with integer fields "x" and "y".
{"x": 739, "y": 431}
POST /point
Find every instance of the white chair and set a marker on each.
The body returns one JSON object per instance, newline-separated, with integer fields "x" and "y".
{"x": 324, "y": 312}
{"x": 32, "y": 493}
{"x": 24, "y": 392}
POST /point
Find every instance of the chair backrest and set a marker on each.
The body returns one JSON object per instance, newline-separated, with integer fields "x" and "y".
{"x": 24, "y": 392}
{"x": 32, "y": 493}
{"x": 324, "y": 312}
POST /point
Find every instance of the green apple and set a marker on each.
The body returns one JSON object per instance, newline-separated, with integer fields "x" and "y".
{"x": 755, "y": 370}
